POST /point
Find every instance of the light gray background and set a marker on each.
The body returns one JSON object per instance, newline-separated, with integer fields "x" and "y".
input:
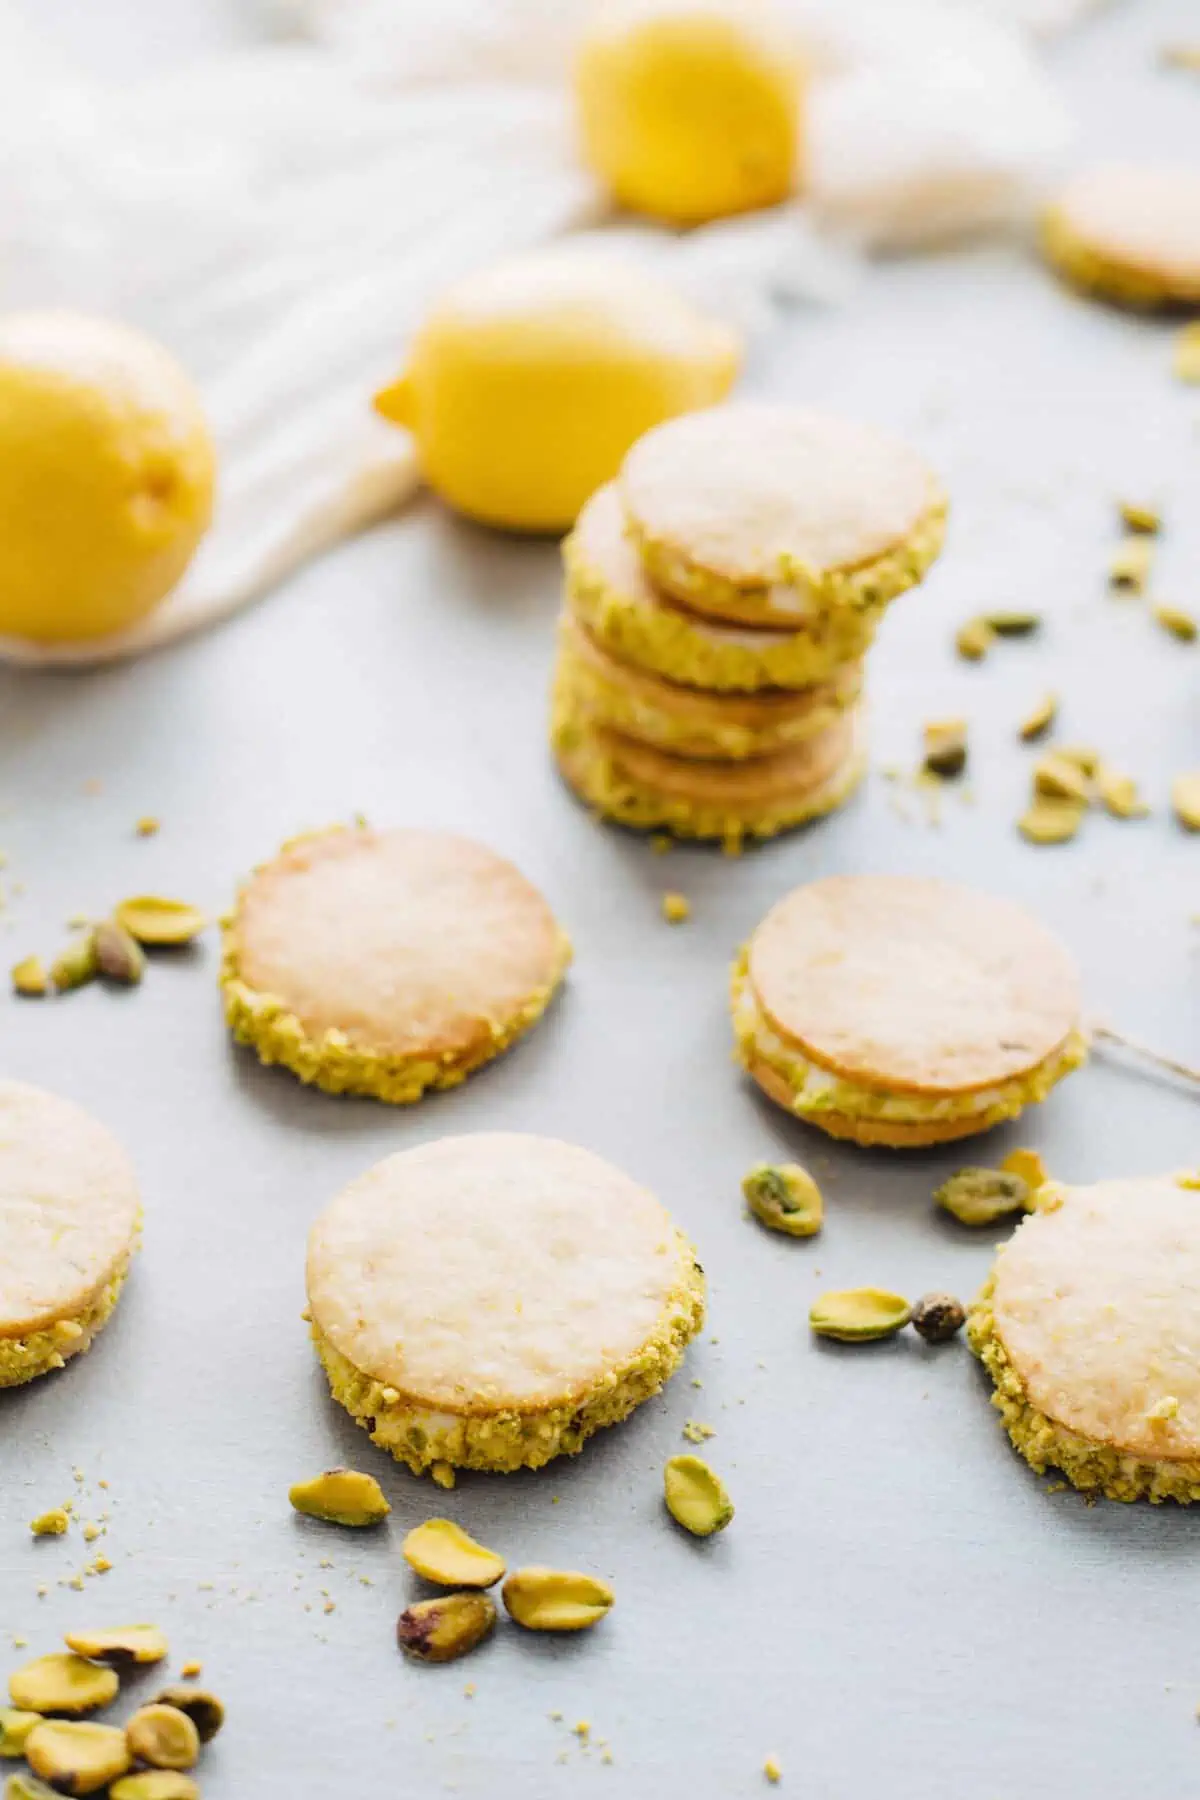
{"x": 899, "y": 1606}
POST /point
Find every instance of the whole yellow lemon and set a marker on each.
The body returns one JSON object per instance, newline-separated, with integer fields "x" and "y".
{"x": 106, "y": 475}
{"x": 529, "y": 382}
{"x": 690, "y": 109}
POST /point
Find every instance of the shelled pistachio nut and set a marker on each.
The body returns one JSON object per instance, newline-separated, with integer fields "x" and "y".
{"x": 342, "y": 1497}
{"x": 163, "y": 1736}
{"x": 981, "y": 1196}
{"x": 77, "y": 1758}
{"x": 441, "y": 1551}
{"x": 204, "y": 1709}
{"x": 442, "y": 1630}
{"x": 556, "y": 1599}
{"x": 696, "y": 1496}
{"x": 121, "y": 1646}
{"x": 15, "y": 1727}
{"x": 62, "y": 1683}
{"x": 159, "y": 922}
{"x": 155, "y": 1784}
{"x": 859, "y": 1315}
{"x": 784, "y": 1197}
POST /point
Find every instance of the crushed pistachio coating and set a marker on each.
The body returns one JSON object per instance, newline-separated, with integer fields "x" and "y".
{"x": 859, "y": 1315}
{"x": 442, "y": 1630}
{"x": 23, "y": 1359}
{"x": 206, "y": 1712}
{"x": 556, "y": 1599}
{"x": 29, "y": 978}
{"x": 1185, "y": 798}
{"x": 1039, "y": 719}
{"x": 1051, "y": 821}
{"x": 342, "y": 1497}
{"x": 163, "y": 1736}
{"x": 159, "y": 922}
{"x": 62, "y": 1683}
{"x": 441, "y": 1551}
{"x": 938, "y": 1317}
{"x": 155, "y": 1784}
{"x": 974, "y": 639}
{"x": 695, "y": 1496}
{"x": 15, "y": 1727}
{"x": 784, "y": 1197}
{"x": 77, "y": 1758}
{"x": 981, "y": 1196}
{"x": 121, "y": 1647}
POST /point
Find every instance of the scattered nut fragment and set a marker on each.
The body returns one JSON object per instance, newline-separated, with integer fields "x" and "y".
{"x": 938, "y": 1317}
{"x": 1187, "y": 353}
{"x": 191, "y": 1670}
{"x": 773, "y": 1770}
{"x": 1049, "y": 821}
{"x": 1180, "y": 624}
{"x": 784, "y": 1197}
{"x": 119, "y": 957}
{"x": 1058, "y": 778}
{"x": 1139, "y": 518}
{"x": 444, "y": 1629}
{"x": 442, "y": 1474}
{"x": 76, "y": 965}
{"x": 342, "y": 1497}
{"x": 29, "y": 978}
{"x": 1012, "y": 624}
{"x": 148, "y": 826}
{"x": 441, "y": 1551}
{"x": 1129, "y": 564}
{"x": 62, "y": 1683}
{"x": 1029, "y": 1166}
{"x": 51, "y": 1524}
{"x": 974, "y": 639}
{"x": 23, "y": 1786}
{"x": 120, "y": 1647}
{"x": 1119, "y": 795}
{"x": 696, "y": 1496}
{"x": 945, "y": 743}
{"x": 162, "y": 923}
{"x": 676, "y": 908}
{"x": 163, "y": 1736}
{"x": 981, "y": 1196}
{"x": 556, "y": 1599}
{"x": 1185, "y": 798}
{"x": 204, "y": 1709}
{"x": 1089, "y": 762}
{"x": 859, "y": 1315}
{"x": 1037, "y": 722}
{"x": 15, "y": 1727}
{"x": 155, "y": 1784}
{"x": 77, "y": 1759}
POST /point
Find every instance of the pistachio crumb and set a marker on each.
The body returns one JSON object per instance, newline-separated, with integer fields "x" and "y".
{"x": 50, "y": 1524}
{"x": 148, "y": 825}
{"x": 945, "y": 747}
{"x": 773, "y": 1770}
{"x": 1177, "y": 621}
{"x": 660, "y": 843}
{"x": 1119, "y": 795}
{"x": 676, "y": 908}
{"x": 1039, "y": 719}
{"x": 1129, "y": 564}
{"x": 29, "y": 978}
{"x": 974, "y": 639}
{"x": 697, "y": 1432}
{"x": 1147, "y": 519}
{"x": 1049, "y": 821}
{"x": 1012, "y": 624}
{"x": 1163, "y": 1410}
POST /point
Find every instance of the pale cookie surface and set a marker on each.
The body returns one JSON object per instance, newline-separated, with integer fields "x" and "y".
{"x": 69, "y": 1212}
{"x": 1095, "y": 1305}
{"x": 764, "y": 506}
{"x": 402, "y": 946}
{"x": 903, "y": 983}
{"x": 1131, "y": 233}
{"x": 491, "y": 1272}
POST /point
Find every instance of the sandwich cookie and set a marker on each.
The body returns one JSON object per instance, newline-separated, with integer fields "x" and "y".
{"x": 1090, "y": 1329}
{"x": 772, "y": 515}
{"x": 1129, "y": 234}
{"x": 901, "y": 1011}
{"x": 686, "y": 721}
{"x": 490, "y": 1301}
{"x": 69, "y": 1222}
{"x": 610, "y": 591}
{"x": 638, "y": 785}
{"x": 386, "y": 963}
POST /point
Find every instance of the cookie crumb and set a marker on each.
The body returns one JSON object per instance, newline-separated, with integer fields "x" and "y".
{"x": 773, "y": 1770}
{"x": 676, "y": 908}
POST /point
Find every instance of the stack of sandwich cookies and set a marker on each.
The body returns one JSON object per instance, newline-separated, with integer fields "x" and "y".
{"x": 899, "y": 1011}
{"x": 720, "y": 597}
{"x": 490, "y": 1301}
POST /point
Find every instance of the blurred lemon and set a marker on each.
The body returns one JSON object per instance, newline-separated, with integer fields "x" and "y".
{"x": 689, "y": 109}
{"x": 528, "y": 383}
{"x": 106, "y": 475}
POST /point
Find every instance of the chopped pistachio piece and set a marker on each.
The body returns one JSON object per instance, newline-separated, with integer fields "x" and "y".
{"x": 676, "y": 908}
{"x": 1129, "y": 564}
{"x": 1029, "y": 1166}
{"x": 859, "y": 1315}
{"x": 342, "y": 1497}
{"x": 1119, "y": 795}
{"x": 148, "y": 826}
{"x": 62, "y": 1683}
{"x": 155, "y": 1784}
{"x": 773, "y": 1770}
{"x": 784, "y": 1197}
{"x": 1187, "y": 353}
{"x": 121, "y": 1646}
{"x": 1089, "y": 762}
{"x": 15, "y": 1727}
{"x": 1185, "y": 798}
{"x": 51, "y": 1524}
{"x": 1140, "y": 518}
{"x": 945, "y": 746}
{"x": 938, "y": 1317}
{"x": 1179, "y": 623}
{"x": 1038, "y": 721}
{"x": 556, "y": 1599}
{"x": 29, "y": 978}
{"x": 163, "y": 1736}
{"x": 119, "y": 957}
{"x": 161, "y": 923}
{"x": 441, "y": 1551}
{"x": 75, "y": 1758}
{"x": 1057, "y": 778}
{"x": 696, "y": 1496}
{"x": 444, "y": 1629}
{"x": 1012, "y": 624}
{"x": 981, "y": 1196}
{"x": 76, "y": 965}
{"x": 204, "y": 1709}
{"x": 974, "y": 639}
{"x": 1049, "y": 821}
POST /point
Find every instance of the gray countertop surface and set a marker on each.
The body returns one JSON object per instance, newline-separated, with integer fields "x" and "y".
{"x": 900, "y": 1606}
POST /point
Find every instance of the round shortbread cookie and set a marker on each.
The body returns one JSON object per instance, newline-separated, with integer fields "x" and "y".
{"x": 490, "y": 1301}
{"x": 919, "y": 986}
{"x": 609, "y": 590}
{"x": 69, "y": 1220}
{"x": 1090, "y": 1329}
{"x": 1129, "y": 234}
{"x": 773, "y": 515}
{"x": 686, "y": 721}
{"x": 649, "y": 789}
{"x": 387, "y": 963}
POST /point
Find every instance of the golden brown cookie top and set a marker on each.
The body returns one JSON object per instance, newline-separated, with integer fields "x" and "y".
{"x": 1142, "y": 218}
{"x": 757, "y": 493}
{"x": 407, "y": 942}
{"x": 1097, "y": 1303}
{"x": 916, "y": 985}
{"x": 494, "y": 1271}
{"x": 68, "y": 1209}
